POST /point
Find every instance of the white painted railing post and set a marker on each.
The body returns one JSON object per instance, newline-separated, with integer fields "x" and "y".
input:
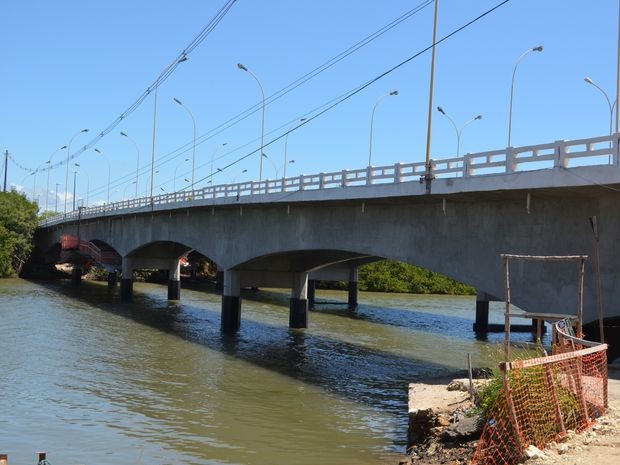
{"x": 616, "y": 149}
{"x": 343, "y": 180}
{"x": 467, "y": 169}
{"x": 321, "y": 181}
{"x": 397, "y": 177}
{"x": 301, "y": 182}
{"x": 369, "y": 175}
{"x": 510, "y": 160}
{"x": 560, "y": 154}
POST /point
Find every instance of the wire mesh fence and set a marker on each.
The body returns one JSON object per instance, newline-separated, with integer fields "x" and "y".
{"x": 543, "y": 398}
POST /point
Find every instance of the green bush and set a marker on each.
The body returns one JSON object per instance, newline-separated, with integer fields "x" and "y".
{"x": 18, "y": 220}
{"x": 393, "y": 276}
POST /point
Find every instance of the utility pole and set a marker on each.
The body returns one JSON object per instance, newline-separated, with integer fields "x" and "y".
{"x": 6, "y": 167}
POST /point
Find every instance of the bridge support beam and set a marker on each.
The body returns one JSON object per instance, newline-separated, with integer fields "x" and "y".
{"x": 76, "y": 276}
{"x": 481, "y": 325}
{"x": 231, "y": 302}
{"x": 298, "y": 313}
{"x": 112, "y": 278}
{"x": 353, "y": 285}
{"x": 127, "y": 280}
{"x": 174, "y": 280}
{"x": 311, "y": 293}
{"x": 219, "y": 279}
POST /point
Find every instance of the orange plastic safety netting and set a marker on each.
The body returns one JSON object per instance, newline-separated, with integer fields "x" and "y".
{"x": 544, "y": 397}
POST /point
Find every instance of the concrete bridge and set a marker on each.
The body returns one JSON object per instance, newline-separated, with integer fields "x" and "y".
{"x": 285, "y": 232}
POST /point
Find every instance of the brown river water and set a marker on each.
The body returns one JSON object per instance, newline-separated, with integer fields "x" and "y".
{"x": 95, "y": 381}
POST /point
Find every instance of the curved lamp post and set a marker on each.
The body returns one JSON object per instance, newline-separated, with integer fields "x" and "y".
{"x": 174, "y": 180}
{"x": 67, "y": 171}
{"x": 456, "y": 129}
{"x": 137, "y": 160}
{"x": 109, "y": 170}
{"x": 611, "y": 105}
{"x": 176, "y": 61}
{"x": 372, "y": 121}
{"x": 286, "y": 144}
{"x": 87, "y": 183}
{"x": 275, "y": 168}
{"x": 191, "y": 115}
{"x": 231, "y": 179}
{"x": 213, "y": 156}
{"x": 49, "y": 166}
{"x": 262, "y": 131}
{"x": 512, "y": 87}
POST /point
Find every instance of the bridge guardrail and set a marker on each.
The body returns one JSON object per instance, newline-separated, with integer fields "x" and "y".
{"x": 602, "y": 150}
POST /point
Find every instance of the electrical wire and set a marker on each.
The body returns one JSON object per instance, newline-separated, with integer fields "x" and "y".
{"x": 285, "y": 90}
{"x": 165, "y": 74}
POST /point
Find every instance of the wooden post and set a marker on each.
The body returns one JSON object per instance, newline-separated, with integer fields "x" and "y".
{"x": 471, "y": 381}
{"x": 582, "y": 264}
{"x": 507, "y": 313}
{"x": 510, "y": 404}
{"x": 554, "y": 398}
{"x": 599, "y": 290}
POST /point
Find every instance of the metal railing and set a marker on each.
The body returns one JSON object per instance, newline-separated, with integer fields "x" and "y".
{"x": 602, "y": 150}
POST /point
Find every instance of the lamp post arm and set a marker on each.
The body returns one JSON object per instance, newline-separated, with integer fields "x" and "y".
{"x": 512, "y": 87}
{"x": 372, "y": 121}
{"x": 262, "y": 132}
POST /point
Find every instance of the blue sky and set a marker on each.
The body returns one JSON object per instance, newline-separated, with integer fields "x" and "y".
{"x": 69, "y": 65}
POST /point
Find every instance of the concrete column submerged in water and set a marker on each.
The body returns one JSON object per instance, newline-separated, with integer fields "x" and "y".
{"x": 353, "y": 285}
{"x": 311, "y": 293}
{"x": 298, "y": 309}
{"x": 112, "y": 278}
{"x": 231, "y": 302}
{"x": 76, "y": 276}
{"x": 174, "y": 279}
{"x": 127, "y": 280}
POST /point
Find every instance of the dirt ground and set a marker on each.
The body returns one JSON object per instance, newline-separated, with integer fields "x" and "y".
{"x": 599, "y": 445}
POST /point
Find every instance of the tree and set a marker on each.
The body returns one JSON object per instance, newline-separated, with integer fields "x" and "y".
{"x": 18, "y": 220}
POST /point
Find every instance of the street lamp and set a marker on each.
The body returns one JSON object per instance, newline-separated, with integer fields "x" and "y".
{"x": 74, "y": 177}
{"x": 109, "y": 170}
{"x": 262, "y": 131}
{"x": 611, "y": 105}
{"x": 175, "y": 62}
{"x": 512, "y": 86}
{"x": 286, "y": 144}
{"x": 213, "y": 156}
{"x": 231, "y": 179}
{"x": 49, "y": 166}
{"x": 275, "y": 168}
{"x": 56, "y": 195}
{"x": 67, "y": 172}
{"x": 191, "y": 115}
{"x": 174, "y": 185}
{"x": 87, "y": 182}
{"x": 137, "y": 159}
{"x": 125, "y": 189}
{"x": 458, "y": 131}
{"x": 372, "y": 120}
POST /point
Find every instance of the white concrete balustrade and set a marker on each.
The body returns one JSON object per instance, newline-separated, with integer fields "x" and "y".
{"x": 595, "y": 151}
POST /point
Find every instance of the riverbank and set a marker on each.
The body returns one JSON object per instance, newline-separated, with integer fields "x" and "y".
{"x": 599, "y": 445}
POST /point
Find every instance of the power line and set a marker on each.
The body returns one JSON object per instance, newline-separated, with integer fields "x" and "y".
{"x": 288, "y": 88}
{"x": 358, "y": 89}
{"x": 194, "y": 43}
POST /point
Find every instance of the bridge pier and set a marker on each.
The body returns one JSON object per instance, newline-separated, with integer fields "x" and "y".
{"x": 112, "y": 279}
{"x": 298, "y": 307}
{"x": 174, "y": 280}
{"x": 127, "y": 280}
{"x": 311, "y": 293}
{"x": 481, "y": 325}
{"x": 219, "y": 279}
{"x": 353, "y": 286}
{"x": 76, "y": 276}
{"x": 231, "y": 302}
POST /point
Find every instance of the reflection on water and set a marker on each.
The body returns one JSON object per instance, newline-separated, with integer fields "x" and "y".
{"x": 96, "y": 381}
